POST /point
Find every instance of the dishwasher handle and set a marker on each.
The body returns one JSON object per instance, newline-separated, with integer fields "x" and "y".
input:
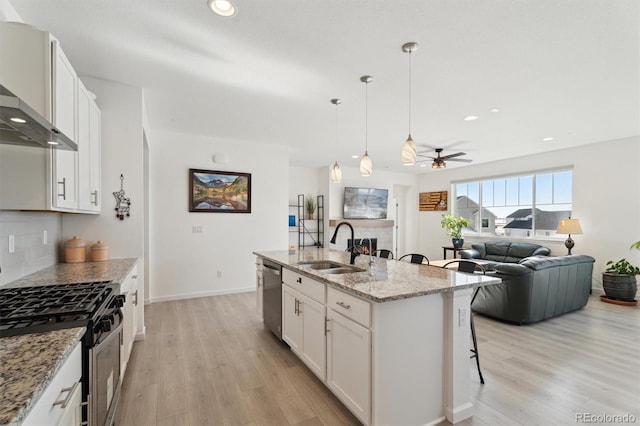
{"x": 272, "y": 269}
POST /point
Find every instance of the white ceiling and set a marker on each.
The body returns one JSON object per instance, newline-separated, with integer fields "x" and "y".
{"x": 561, "y": 68}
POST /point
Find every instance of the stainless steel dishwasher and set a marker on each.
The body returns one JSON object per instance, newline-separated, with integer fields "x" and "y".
{"x": 272, "y": 297}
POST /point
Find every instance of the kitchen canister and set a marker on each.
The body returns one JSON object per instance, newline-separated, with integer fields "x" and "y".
{"x": 99, "y": 252}
{"x": 75, "y": 250}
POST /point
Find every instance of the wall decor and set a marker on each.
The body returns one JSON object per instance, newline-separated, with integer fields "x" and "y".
{"x": 433, "y": 201}
{"x": 219, "y": 192}
{"x": 123, "y": 204}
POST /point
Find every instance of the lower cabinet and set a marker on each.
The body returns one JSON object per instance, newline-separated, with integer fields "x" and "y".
{"x": 349, "y": 364}
{"x": 129, "y": 289}
{"x": 60, "y": 404}
{"x": 303, "y": 328}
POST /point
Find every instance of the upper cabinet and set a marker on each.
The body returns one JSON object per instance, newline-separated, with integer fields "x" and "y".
{"x": 35, "y": 68}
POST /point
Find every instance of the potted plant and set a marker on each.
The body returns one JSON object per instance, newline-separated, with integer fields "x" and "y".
{"x": 310, "y": 207}
{"x": 453, "y": 225}
{"x": 619, "y": 279}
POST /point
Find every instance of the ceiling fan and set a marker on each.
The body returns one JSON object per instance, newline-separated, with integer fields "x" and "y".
{"x": 439, "y": 161}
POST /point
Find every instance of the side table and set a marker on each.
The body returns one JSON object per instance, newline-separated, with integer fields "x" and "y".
{"x": 455, "y": 251}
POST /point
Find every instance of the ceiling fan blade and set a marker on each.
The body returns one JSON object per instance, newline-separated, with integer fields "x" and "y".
{"x": 425, "y": 156}
{"x": 462, "y": 160}
{"x": 457, "y": 154}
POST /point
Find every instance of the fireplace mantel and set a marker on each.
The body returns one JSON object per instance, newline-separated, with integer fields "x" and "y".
{"x": 364, "y": 223}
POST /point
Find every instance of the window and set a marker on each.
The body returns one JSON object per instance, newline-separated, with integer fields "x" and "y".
{"x": 528, "y": 205}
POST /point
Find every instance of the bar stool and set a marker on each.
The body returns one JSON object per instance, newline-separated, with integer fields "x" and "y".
{"x": 470, "y": 267}
{"x": 386, "y": 254}
{"x": 416, "y": 258}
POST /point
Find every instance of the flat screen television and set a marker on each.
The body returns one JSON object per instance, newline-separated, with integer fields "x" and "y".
{"x": 365, "y": 203}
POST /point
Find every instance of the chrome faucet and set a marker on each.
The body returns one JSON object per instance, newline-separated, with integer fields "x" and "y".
{"x": 353, "y": 239}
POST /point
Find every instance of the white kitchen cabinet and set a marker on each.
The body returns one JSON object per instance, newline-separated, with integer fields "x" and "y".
{"x": 349, "y": 364}
{"x": 60, "y": 404}
{"x": 64, "y": 84}
{"x": 88, "y": 151}
{"x": 35, "y": 69}
{"x": 129, "y": 288}
{"x": 303, "y": 323}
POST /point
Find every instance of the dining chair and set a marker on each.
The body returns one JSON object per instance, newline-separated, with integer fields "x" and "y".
{"x": 416, "y": 258}
{"x": 471, "y": 267}
{"x": 386, "y": 254}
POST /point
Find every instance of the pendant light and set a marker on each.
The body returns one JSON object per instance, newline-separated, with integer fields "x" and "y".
{"x": 336, "y": 173}
{"x": 409, "y": 152}
{"x": 366, "y": 165}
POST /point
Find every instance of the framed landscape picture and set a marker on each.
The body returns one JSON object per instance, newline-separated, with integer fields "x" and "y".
{"x": 219, "y": 192}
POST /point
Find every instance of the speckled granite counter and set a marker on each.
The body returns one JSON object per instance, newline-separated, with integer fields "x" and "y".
{"x": 387, "y": 280}
{"x": 115, "y": 270}
{"x": 28, "y": 363}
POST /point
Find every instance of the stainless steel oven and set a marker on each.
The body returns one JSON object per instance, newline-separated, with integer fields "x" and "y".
{"x": 104, "y": 369}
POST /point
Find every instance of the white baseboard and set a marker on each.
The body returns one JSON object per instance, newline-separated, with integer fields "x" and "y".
{"x": 201, "y": 294}
{"x": 140, "y": 335}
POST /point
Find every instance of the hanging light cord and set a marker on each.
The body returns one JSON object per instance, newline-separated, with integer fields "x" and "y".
{"x": 410, "y": 50}
{"x": 366, "y": 117}
{"x": 336, "y": 125}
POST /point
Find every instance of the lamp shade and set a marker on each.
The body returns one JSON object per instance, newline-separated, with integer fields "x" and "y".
{"x": 336, "y": 173}
{"x": 409, "y": 152}
{"x": 569, "y": 226}
{"x": 366, "y": 165}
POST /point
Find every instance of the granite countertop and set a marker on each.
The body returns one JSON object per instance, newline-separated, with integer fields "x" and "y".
{"x": 28, "y": 363}
{"x": 385, "y": 281}
{"x": 115, "y": 270}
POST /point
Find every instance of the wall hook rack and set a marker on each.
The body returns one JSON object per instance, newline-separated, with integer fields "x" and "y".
{"x": 123, "y": 204}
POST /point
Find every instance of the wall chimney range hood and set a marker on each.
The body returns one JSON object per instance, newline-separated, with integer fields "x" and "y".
{"x": 22, "y": 125}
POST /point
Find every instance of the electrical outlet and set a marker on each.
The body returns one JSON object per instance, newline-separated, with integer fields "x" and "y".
{"x": 12, "y": 243}
{"x": 219, "y": 273}
{"x": 196, "y": 229}
{"x": 44, "y": 237}
{"x": 462, "y": 317}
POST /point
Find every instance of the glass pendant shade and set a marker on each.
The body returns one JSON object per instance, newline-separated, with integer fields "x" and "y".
{"x": 366, "y": 166}
{"x": 438, "y": 165}
{"x": 336, "y": 173}
{"x": 409, "y": 152}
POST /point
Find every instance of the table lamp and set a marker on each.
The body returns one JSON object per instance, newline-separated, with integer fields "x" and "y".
{"x": 569, "y": 226}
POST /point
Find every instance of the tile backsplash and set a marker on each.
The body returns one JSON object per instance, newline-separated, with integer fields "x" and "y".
{"x": 31, "y": 254}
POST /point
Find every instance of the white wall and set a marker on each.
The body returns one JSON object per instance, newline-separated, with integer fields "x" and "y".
{"x": 185, "y": 264}
{"x": 606, "y": 198}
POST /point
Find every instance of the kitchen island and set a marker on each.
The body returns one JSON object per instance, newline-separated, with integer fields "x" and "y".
{"x": 390, "y": 340}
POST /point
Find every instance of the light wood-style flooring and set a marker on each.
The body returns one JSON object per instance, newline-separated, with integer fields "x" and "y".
{"x": 209, "y": 361}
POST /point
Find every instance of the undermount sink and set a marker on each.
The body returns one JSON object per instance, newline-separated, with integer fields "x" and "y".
{"x": 328, "y": 267}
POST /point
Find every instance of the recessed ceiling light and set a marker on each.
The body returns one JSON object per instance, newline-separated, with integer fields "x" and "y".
{"x": 423, "y": 165}
{"x": 222, "y": 7}
{"x": 53, "y": 143}
{"x": 471, "y": 117}
{"x": 355, "y": 156}
{"x": 494, "y": 110}
{"x": 549, "y": 139}
{"x": 18, "y": 120}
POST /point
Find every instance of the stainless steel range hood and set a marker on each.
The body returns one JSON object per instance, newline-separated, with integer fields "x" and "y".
{"x": 22, "y": 125}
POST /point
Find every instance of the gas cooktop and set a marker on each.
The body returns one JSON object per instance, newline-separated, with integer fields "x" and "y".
{"x": 26, "y": 310}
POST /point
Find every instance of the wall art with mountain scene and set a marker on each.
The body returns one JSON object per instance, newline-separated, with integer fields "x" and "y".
{"x": 219, "y": 192}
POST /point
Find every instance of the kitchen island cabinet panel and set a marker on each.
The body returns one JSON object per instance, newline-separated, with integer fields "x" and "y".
{"x": 349, "y": 364}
